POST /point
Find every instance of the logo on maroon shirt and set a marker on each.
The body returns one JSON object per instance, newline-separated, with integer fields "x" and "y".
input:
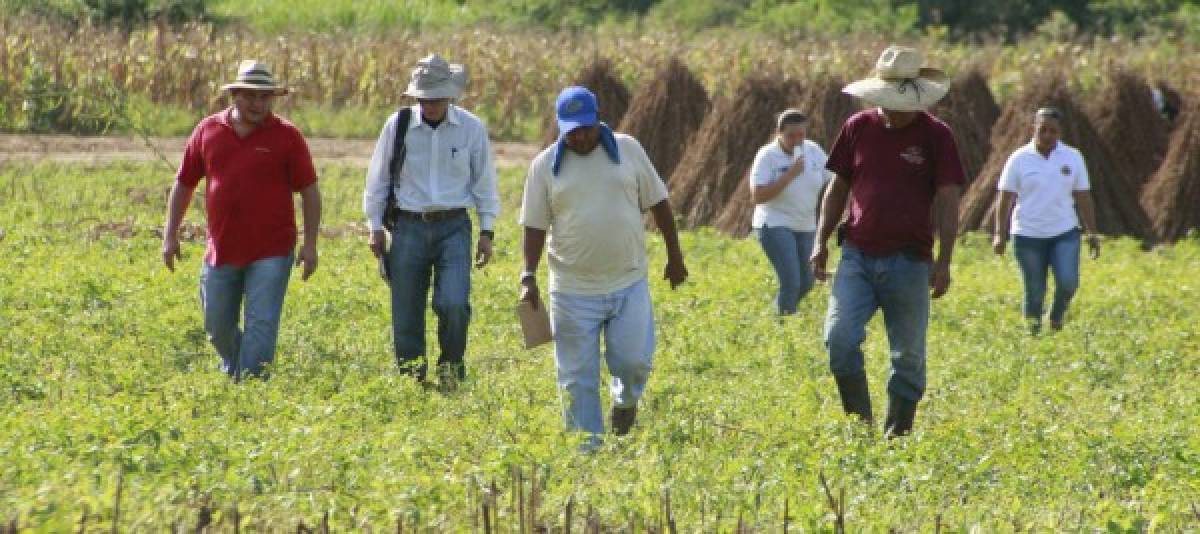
{"x": 913, "y": 155}
{"x": 1066, "y": 170}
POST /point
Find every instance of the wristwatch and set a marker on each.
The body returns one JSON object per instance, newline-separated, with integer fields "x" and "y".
{"x": 527, "y": 275}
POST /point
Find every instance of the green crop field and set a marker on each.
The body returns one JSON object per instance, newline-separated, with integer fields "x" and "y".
{"x": 113, "y": 415}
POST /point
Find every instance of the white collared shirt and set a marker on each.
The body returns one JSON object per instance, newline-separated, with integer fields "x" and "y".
{"x": 447, "y": 167}
{"x": 796, "y": 206}
{"x": 1045, "y": 187}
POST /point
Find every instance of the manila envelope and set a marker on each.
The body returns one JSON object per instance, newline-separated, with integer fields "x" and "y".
{"x": 535, "y": 324}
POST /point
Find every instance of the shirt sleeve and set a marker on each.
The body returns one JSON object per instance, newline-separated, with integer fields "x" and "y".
{"x": 651, "y": 189}
{"x": 1082, "y": 180}
{"x": 301, "y": 172}
{"x": 841, "y": 156}
{"x": 375, "y": 192}
{"x": 760, "y": 171}
{"x": 483, "y": 180}
{"x": 191, "y": 167}
{"x": 535, "y": 203}
{"x": 1010, "y": 177}
{"x": 949, "y": 167}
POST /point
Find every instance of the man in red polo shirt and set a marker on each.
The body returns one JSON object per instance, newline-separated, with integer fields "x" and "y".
{"x": 900, "y": 169}
{"x": 254, "y": 162}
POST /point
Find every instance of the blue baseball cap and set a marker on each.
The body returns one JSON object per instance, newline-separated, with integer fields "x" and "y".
{"x": 576, "y": 107}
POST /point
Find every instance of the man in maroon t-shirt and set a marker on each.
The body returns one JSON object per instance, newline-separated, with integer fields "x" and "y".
{"x": 900, "y": 169}
{"x": 254, "y": 162}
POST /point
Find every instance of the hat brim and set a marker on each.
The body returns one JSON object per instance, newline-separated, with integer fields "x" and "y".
{"x": 444, "y": 90}
{"x": 892, "y": 95}
{"x": 273, "y": 89}
{"x": 565, "y": 126}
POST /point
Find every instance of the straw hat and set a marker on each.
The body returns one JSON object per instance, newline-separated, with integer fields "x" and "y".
{"x": 255, "y": 75}
{"x": 900, "y": 82}
{"x": 436, "y": 78}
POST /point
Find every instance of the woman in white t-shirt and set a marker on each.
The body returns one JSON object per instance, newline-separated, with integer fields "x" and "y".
{"x": 1044, "y": 192}
{"x": 786, "y": 181}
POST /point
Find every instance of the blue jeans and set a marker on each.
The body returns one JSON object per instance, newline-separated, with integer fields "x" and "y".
{"x": 421, "y": 250}
{"x": 899, "y": 285}
{"x": 625, "y": 318}
{"x": 1036, "y": 255}
{"x": 788, "y": 252}
{"x": 245, "y": 349}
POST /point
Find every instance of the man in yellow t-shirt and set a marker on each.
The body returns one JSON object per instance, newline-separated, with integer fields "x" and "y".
{"x": 588, "y": 192}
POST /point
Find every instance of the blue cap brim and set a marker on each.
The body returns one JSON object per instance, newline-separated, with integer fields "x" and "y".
{"x": 566, "y": 125}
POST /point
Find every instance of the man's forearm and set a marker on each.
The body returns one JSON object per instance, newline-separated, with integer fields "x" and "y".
{"x": 1087, "y": 211}
{"x": 947, "y": 221}
{"x": 532, "y": 244}
{"x": 177, "y": 205}
{"x": 1004, "y": 207}
{"x": 664, "y": 218}
{"x": 310, "y": 201}
{"x": 832, "y": 206}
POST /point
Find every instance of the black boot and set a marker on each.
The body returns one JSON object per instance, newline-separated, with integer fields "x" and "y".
{"x": 450, "y": 375}
{"x": 900, "y": 415}
{"x": 856, "y": 397}
{"x": 621, "y": 419}
{"x": 412, "y": 366}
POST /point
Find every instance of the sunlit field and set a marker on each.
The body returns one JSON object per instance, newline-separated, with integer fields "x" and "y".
{"x": 113, "y": 413}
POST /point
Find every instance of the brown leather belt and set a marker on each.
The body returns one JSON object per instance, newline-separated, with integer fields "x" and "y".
{"x": 433, "y": 216}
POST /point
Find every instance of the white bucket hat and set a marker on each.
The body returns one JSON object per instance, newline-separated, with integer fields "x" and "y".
{"x": 436, "y": 78}
{"x": 900, "y": 82}
{"x": 255, "y": 75}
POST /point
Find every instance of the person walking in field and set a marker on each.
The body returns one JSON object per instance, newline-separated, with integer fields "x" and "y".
{"x": 1044, "y": 192}
{"x": 431, "y": 163}
{"x": 587, "y": 194}
{"x": 786, "y": 181}
{"x": 253, "y": 163}
{"x": 899, "y": 167}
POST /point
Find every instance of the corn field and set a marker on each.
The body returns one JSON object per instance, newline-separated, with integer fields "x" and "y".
{"x": 81, "y": 79}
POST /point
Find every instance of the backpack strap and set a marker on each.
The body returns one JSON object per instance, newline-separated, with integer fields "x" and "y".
{"x": 403, "y": 118}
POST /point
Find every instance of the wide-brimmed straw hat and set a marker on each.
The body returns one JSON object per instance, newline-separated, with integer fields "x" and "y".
{"x": 255, "y": 75}
{"x": 435, "y": 78}
{"x": 901, "y": 82}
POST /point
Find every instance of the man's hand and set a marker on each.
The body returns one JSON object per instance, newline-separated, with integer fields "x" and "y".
{"x": 998, "y": 243}
{"x": 676, "y": 273}
{"x": 818, "y": 259}
{"x": 529, "y": 292}
{"x": 170, "y": 250}
{"x": 1093, "y": 242}
{"x": 483, "y": 251}
{"x": 378, "y": 243}
{"x": 308, "y": 258}
{"x": 939, "y": 278}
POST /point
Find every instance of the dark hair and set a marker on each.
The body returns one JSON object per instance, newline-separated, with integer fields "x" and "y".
{"x": 788, "y": 117}
{"x": 1049, "y": 112}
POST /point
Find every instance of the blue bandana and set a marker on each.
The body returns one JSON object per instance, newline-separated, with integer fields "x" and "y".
{"x": 607, "y": 140}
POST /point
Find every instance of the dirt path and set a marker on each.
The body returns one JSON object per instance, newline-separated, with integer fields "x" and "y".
{"x": 66, "y": 148}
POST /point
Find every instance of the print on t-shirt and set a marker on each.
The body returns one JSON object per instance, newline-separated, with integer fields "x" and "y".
{"x": 913, "y": 155}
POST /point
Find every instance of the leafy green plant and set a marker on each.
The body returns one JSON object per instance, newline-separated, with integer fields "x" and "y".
{"x": 110, "y": 398}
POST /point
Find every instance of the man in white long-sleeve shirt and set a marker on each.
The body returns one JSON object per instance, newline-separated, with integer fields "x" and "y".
{"x": 447, "y": 167}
